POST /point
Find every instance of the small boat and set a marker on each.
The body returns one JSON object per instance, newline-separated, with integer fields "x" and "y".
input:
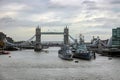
{"x": 11, "y": 48}
{"x": 65, "y": 53}
{"x": 4, "y": 52}
{"x": 82, "y": 52}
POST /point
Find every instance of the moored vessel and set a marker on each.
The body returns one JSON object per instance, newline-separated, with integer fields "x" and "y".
{"x": 4, "y": 52}
{"x": 65, "y": 53}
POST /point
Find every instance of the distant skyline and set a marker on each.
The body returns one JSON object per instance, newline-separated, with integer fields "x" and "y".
{"x": 19, "y": 18}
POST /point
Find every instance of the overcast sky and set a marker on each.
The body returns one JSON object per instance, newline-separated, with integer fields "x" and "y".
{"x": 19, "y": 18}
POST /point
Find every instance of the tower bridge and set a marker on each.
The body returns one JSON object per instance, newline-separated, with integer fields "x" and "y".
{"x": 38, "y": 44}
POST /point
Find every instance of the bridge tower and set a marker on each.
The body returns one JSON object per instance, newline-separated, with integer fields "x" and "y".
{"x": 38, "y": 45}
{"x": 66, "y": 36}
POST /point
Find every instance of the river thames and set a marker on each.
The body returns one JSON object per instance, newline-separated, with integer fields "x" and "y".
{"x": 30, "y": 65}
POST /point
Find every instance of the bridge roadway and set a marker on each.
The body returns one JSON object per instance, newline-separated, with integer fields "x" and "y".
{"x": 54, "y": 33}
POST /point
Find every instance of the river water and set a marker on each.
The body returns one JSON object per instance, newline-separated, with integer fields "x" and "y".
{"x": 30, "y": 65}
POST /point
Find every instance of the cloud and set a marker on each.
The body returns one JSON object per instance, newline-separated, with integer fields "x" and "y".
{"x": 13, "y": 6}
{"x": 8, "y": 13}
{"x": 12, "y": 9}
{"x": 46, "y": 17}
{"x": 115, "y": 1}
{"x": 82, "y": 16}
{"x": 6, "y": 19}
{"x": 66, "y": 2}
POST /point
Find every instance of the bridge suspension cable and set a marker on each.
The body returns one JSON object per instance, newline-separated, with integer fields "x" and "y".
{"x": 72, "y": 38}
{"x": 31, "y": 38}
{"x": 23, "y": 43}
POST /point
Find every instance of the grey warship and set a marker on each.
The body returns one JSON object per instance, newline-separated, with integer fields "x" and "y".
{"x": 81, "y": 50}
{"x": 65, "y": 53}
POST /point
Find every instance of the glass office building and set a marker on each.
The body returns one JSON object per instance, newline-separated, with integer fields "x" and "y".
{"x": 116, "y": 37}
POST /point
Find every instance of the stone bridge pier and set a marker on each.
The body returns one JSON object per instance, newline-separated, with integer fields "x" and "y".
{"x": 38, "y": 46}
{"x": 66, "y": 36}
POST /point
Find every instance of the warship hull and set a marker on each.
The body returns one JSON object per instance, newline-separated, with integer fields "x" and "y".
{"x": 64, "y": 56}
{"x": 86, "y": 56}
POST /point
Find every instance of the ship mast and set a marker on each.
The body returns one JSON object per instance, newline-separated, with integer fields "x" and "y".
{"x": 81, "y": 39}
